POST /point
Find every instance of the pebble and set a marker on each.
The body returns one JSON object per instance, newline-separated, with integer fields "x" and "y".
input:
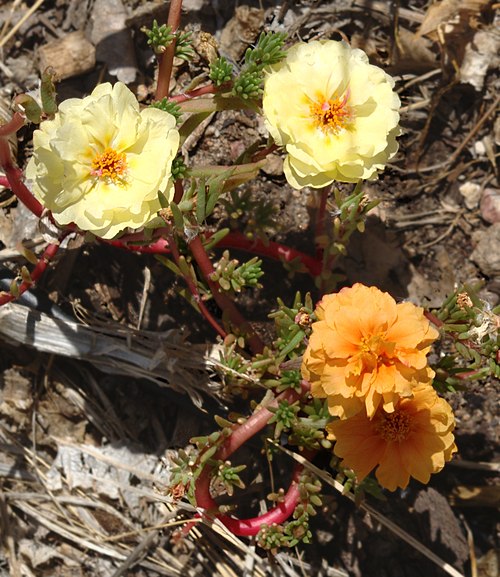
{"x": 471, "y": 191}
{"x": 490, "y": 205}
{"x": 69, "y": 56}
{"x": 487, "y": 252}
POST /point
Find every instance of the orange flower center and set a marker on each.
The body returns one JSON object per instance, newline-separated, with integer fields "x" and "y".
{"x": 374, "y": 351}
{"x": 332, "y": 115}
{"x": 372, "y": 345}
{"x": 110, "y": 166}
{"x": 393, "y": 426}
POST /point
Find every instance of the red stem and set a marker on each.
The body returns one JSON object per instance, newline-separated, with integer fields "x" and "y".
{"x": 271, "y": 249}
{"x": 255, "y": 423}
{"x": 47, "y": 256}
{"x": 15, "y": 123}
{"x": 167, "y": 58}
{"x": 194, "y": 290}
{"x": 13, "y": 175}
{"x": 179, "y": 191}
{"x": 208, "y": 89}
{"x": 438, "y": 323}
{"x": 224, "y": 302}
{"x": 251, "y": 526}
{"x": 237, "y": 240}
{"x": 261, "y": 154}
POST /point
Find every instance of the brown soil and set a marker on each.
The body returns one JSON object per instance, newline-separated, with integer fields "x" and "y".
{"x": 82, "y": 443}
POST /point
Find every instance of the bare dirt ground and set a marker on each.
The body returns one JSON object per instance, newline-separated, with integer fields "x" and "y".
{"x": 83, "y": 441}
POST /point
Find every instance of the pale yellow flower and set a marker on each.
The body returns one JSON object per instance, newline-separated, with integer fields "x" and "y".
{"x": 366, "y": 350}
{"x": 415, "y": 440}
{"x": 335, "y": 114}
{"x": 101, "y": 162}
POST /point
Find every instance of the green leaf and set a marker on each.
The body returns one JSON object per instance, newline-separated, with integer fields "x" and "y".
{"x": 178, "y": 218}
{"x": 48, "y": 92}
{"x": 183, "y": 45}
{"x": 215, "y": 238}
{"x": 159, "y": 37}
{"x": 221, "y": 71}
{"x": 168, "y": 106}
{"x": 293, "y": 343}
{"x": 200, "y": 202}
{"x": 30, "y": 107}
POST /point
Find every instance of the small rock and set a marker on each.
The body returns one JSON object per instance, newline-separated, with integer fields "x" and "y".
{"x": 439, "y": 524}
{"x": 480, "y": 55}
{"x": 241, "y": 31}
{"x": 113, "y": 39}
{"x": 487, "y": 252}
{"x": 193, "y": 5}
{"x": 16, "y": 390}
{"x": 274, "y": 165}
{"x": 496, "y": 131}
{"x": 471, "y": 191}
{"x": 479, "y": 148}
{"x": 68, "y": 56}
{"x": 490, "y": 205}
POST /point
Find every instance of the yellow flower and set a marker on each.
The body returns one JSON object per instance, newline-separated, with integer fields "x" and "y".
{"x": 335, "y": 114}
{"x": 366, "y": 350}
{"x": 414, "y": 440}
{"x": 101, "y": 162}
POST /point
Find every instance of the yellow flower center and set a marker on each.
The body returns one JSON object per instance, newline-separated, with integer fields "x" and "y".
{"x": 332, "y": 115}
{"x": 393, "y": 426}
{"x": 110, "y": 166}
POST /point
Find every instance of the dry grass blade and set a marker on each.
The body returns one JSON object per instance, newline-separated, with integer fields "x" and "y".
{"x": 7, "y": 536}
{"x": 66, "y": 533}
{"x": 476, "y": 466}
{"x": 224, "y": 538}
{"x": 18, "y": 25}
{"x": 8, "y": 20}
{"x": 136, "y": 554}
{"x": 160, "y": 357}
{"x": 386, "y": 8}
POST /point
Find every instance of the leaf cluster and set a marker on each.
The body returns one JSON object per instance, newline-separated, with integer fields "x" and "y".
{"x": 188, "y": 465}
{"x": 308, "y": 432}
{"x": 347, "y": 478}
{"x": 291, "y": 533}
{"x": 304, "y": 423}
{"x": 233, "y": 277}
{"x": 247, "y": 85}
{"x": 160, "y": 37}
{"x": 271, "y": 367}
{"x": 349, "y": 215}
{"x": 168, "y": 106}
{"x": 227, "y": 478}
{"x": 473, "y": 326}
{"x": 256, "y": 215}
{"x": 284, "y": 415}
{"x": 292, "y": 331}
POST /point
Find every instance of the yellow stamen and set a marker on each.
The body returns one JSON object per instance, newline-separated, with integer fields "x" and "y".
{"x": 393, "y": 426}
{"x": 332, "y": 115}
{"x": 110, "y": 166}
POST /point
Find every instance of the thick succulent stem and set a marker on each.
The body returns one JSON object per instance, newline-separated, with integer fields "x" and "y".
{"x": 241, "y": 434}
{"x": 223, "y": 300}
{"x": 167, "y": 58}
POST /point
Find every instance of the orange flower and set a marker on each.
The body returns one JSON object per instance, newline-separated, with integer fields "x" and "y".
{"x": 366, "y": 350}
{"x": 414, "y": 440}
